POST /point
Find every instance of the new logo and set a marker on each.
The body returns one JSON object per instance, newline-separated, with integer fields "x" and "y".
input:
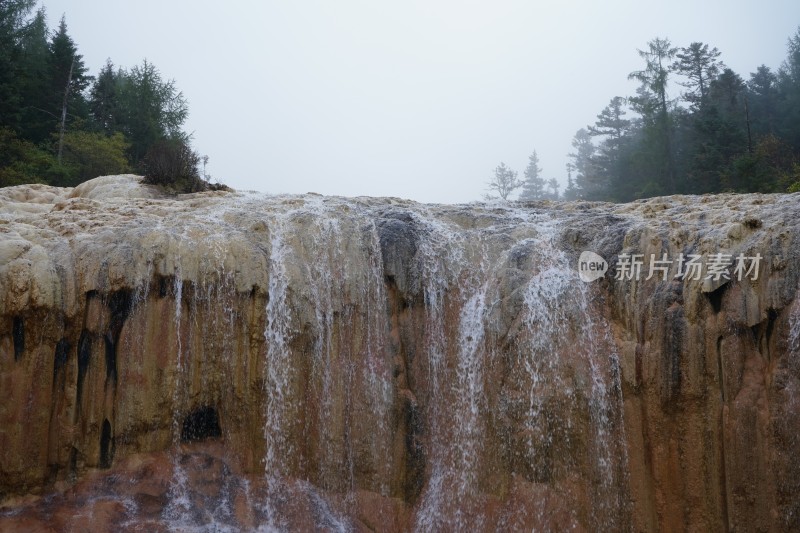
{"x": 591, "y": 266}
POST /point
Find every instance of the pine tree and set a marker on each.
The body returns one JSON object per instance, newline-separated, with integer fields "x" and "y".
{"x": 37, "y": 117}
{"x": 611, "y": 122}
{"x": 763, "y": 100}
{"x": 613, "y": 126}
{"x": 553, "y": 185}
{"x": 68, "y": 80}
{"x": 789, "y": 94}
{"x": 571, "y": 192}
{"x": 104, "y": 104}
{"x": 586, "y": 179}
{"x": 533, "y": 184}
{"x": 150, "y": 109}
{"x": 700, "y": 65}
{"x": 653, "y": 104}
{"x": 13, "y": 14}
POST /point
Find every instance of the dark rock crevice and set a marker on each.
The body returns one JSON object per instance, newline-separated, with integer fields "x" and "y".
{"x": 399, "y": 241}
{"x": 60, "y": 357}
{"x": 84, "y": 359}
{"x": 18, "y": 333}
{"x": 715, "y": 297}
{"x": 202, "y": 423}
{"x": 106, "y": 445}
{"x": 119, "y": 306}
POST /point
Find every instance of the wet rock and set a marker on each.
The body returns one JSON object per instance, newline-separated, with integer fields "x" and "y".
{"x": 398, "y": 236}
{"x": 234, "y": 360}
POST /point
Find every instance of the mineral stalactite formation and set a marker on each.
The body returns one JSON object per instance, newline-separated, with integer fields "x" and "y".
{"x": 234, "y": 361}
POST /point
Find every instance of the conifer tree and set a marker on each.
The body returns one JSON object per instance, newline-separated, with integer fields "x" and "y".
{"x": 533, "y": 186}
{"x": 700, "y": 66}
{"x": 68, "y": 80}
{"x": 13, "y": 16}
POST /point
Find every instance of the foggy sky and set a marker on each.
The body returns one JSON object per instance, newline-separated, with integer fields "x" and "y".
{"x": 414, "y": 99}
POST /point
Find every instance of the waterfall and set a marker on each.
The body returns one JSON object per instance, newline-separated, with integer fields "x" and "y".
{"x": 278, "y": 373}
{"x": 196, "y": 392}
{"x": 228, "y": 361}
{"x": 455, "y": 397}
{"x": 477, "y": 261}
{"x": 362, "y": 363}
{"x": 340, "y": 303}
{"x": 179, "y": 509}
{"x": 561, "y": 320}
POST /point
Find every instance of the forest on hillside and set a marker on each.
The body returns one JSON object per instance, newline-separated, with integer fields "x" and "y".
{"x": 724, "y": 133}
{"x": 61, "y": 126}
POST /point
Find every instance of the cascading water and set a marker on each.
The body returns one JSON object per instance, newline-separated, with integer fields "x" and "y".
{"x": 209, "y": 300}
{"x": 277, "y": 381}
{"x": 553, "y": 300}
{"x": 339, "y": 300}
{"x": 241, "y": 362}
{"x": 463, "y": 359}
{"x": 355, "y": 364}
{"x": 178, "y": 510}
{"x": 455, "y": 453}
{"x": 458, "y": 279}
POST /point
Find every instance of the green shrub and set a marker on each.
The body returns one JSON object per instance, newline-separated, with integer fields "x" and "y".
{"x": 172, "y": 164}
{"x": 94, "y": 154}
{"x": 21, "y": 161}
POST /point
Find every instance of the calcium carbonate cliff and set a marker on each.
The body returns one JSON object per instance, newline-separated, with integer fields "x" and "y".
{"x": 230, "y": 361}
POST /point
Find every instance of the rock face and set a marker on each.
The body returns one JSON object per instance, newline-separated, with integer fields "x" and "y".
{"x": 234, "y": 361}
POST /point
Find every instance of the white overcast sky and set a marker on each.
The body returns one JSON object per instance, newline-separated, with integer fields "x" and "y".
{"x": 414, "y": 99}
